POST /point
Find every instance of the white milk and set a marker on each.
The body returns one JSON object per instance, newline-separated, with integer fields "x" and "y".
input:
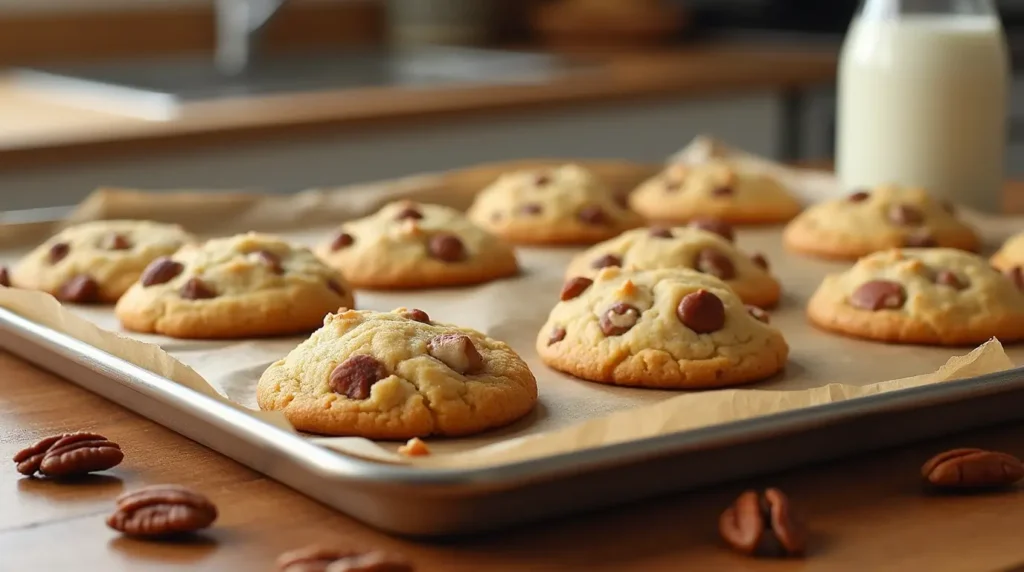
{"x": 922, "y": 101}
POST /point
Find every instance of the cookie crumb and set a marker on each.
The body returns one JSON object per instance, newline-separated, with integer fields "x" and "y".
{"x": 415, "y": 447}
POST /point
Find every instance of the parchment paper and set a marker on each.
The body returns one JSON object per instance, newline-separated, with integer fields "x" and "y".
{"x": 572, "y": 414}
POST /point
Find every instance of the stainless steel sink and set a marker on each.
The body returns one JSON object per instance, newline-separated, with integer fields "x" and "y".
{"x": 157, "y": 89}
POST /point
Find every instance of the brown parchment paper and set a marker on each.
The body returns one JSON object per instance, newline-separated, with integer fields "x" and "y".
{"x": 572, "y": 414}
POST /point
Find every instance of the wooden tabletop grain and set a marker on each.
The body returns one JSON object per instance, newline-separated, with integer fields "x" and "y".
{"x": 865, "y": 513}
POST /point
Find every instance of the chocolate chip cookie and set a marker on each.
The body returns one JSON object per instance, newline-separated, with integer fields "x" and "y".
{"x": 409, "y": 245}
{"x": 249, "y": 285}
{"x": 565, "y": 205}
{"x": 96, "y": 262}
{"x": 933, "y": 296}
{"x": 717, "y": 189}
{"x": 877, "y": 219}
{"x": 398, "y": 375}
{"x": 669, "y": 328}
{"x": 704, "y": 246}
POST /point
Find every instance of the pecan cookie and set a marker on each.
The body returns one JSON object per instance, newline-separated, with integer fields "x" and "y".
{"x": 96, "y": 262}
{"x": 669, "y": 328}
{"x": 397, "y": 375}
{"x": 1010, "y": 259}
{"x": 718, "y": 189}
{"x": 878, "y": 219}
{"x": 249, "y": 285}
{"x": 704, "y": 246}
{"x": 934, "y": 296}
{"x": 566, "y": 205}
{"x": 412, "y": 245}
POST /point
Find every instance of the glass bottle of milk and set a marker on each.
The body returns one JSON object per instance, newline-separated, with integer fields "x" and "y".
{"x": 923, "y": 88}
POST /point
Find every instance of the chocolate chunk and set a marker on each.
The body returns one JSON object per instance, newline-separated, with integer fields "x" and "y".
{"x": 661, "y": 232}
{"x": 117, "y": 241}
{"x": 272, "y": 261}
{"x": 947, "y": 278}
{"x": 760, "y": 260}
{"x": 557, "y": 335}
{"x": 531, "y": 209}
{"x": 447, "y": 247}
{"x": 905, "y": 215}
{"x": 355, "y": 376}
{"x": 721, "y": 228}
{"x": 574, "y": 287}
{"x": 878, "y": 295}
{"x": 58, "y": 252}
{"x": 343, "y": 240}
{"x": 722, "y": 191}
{"x": 409, "y": 212}
{"x": 196, "y": 289}
{"x": 416, "y": 316}
{"x": 333, "y": 285}
{"x": 593, "y": 214}
{"x": 161, "y": 271}
{"x": 1016, "y": 275}
{"x": 702, "y": 312}
{"x": 758, "y": 314}
{"x": 457, "y": 352}
{"x": 713, "y": 262}
{"x": 81, "y": 289}
{"x": 920, "y": 239}
{"x": 858, "y": 197}
{"x": 619, "y": 319}
{"x": 606, "y": 261}
{"x": 5, "y": 277}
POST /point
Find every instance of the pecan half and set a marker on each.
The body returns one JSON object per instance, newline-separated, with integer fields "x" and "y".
{"x": 161, "y": 511}
{"x": 763, "y": 524}
{"x": 457, "y": 352}
{"x": 81, "y": 289}
{"x": 972, "y": 469}
{"x": 355, "y": 376}
{"x": 69, "y": 455}
{"x": 161, "y": 271}
{"x": 322, "y": 559}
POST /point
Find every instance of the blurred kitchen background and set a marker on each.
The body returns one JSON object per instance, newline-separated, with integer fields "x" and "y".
{"x": 280, "y": 96}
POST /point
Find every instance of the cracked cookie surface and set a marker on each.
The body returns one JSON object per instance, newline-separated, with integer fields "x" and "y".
{"x": 668, "y": 328}
{"x": 96, "y": 262}
{"x": 398, "y": 375}
{"x": 413, "y": 245}
{"x": 933, "y": 296}
{"x": 249, "y": 285}
{"x": 564, "y": 205}
{"x": 878, "y": 219}
{"x": 684, "y": 247}
{"x": 717, "y": 189}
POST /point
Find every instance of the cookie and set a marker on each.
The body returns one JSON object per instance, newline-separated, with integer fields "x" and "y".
{"x": 249, "y": 285}
{"x": 717, "y": 189}
{"x": 1010, "y": 259}
{"x": 704, "y": 246}
{"x": 96, "y": 262}
{"x": 565, "y": 205}
{"x": 878, "y": 219}
{"x": 669, "y": 328}
{"x": 410, "y": 245}
{"x": 933, "y": 296}
{"x": 397, "y": 375}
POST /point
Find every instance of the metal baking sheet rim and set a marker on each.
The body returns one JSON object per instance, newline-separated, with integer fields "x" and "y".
{"x": 277, "y": 453}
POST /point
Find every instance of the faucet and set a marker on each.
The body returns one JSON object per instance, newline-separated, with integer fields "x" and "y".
{"x": 238, "y": 24}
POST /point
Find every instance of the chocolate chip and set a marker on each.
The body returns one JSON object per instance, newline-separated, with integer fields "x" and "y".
{"x": 447, "y": 247}
{"x": 343, "y": 240}
{"x": 661, "y": 232}
{"x": 333, "y": 285}
{"x": 713, "y": 262}
{"x": 531, "y": 209}
{"x": 920, "y": 239}
{"x": 542, "y": 180}
{"x": 606, "y": 261}
{"x": 457, "y": 352}
{"x": 117, "y": 241}
{"x": 702, "y": 312}
{"x": 81, "y": 289}
{"x": 196, "y": 289}
{"x": 878, "y": 295}
{"x": 557, "y": 335}
{"x": 758, "y": 314}
{"x": 272, "y": 261}
{"x": 355, "y": 376}
{"x": 947, "y": 278}
{"x": 619, "y": 319}
{"x": 58, "y": 252}
{"x": 5, "y": 277}
{"x": 760, "y": 260}
{"x": 416, "y": 316}
{"x": 409, "y": 212}
{"x": 593, "y": 214}
{"x": 161, "y": 271}
{"x": 905, "y": 215}
{"x": 858, "y": 197}
{"x": 721, "y": 228}
{"x": 722, "y": 191}
{"x": 1016, "y": 275}
{"x": 574, "y": 287}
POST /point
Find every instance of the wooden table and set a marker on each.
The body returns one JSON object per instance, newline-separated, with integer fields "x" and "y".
{"x": 866, "y": 513}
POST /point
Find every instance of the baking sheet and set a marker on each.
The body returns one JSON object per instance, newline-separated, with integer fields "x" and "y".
{"x": 822, "y": 367}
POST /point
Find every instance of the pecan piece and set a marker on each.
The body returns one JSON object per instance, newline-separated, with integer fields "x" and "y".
{"x": 81, "y": 289}
{"x": 905, "y": 215}
{"x": 161, "y": 511}
{"x": 272, "y": 261}
{"x": 69, "y": 455}
{"x": 557, "y": 335}
{"x": 713, "y": 262}
{"x": 117, "y": 241}
{"x": 972, "y": 469}
{"x": 355, "y": 376}
{"x": 161, "y": 271}
{"x": 414, "y": 447}
{"x": 409, "y": 212}
{"x": 343, "y": 240}
{"x": 457, "y": 352}
{"x": 875, "y": 295}
{"x": 593, "y": 214}
{"x": 574, "y": 287}
{"x": 619, "y": 319}
{"x": 763, "y": 525}
{"x": 5, "y": 277}
{"x": 606, "y": 261}
{"x": 416, "y": 315}
{"x": 715, "y": 226}
{"x": 196, "y": 289}
{"x": 660, "y": 232}
{"x": 858, "y": 196}
{"x": 758, "y": 314}
{"x": 321, "y": 559}
{"x": 58, "y": 251}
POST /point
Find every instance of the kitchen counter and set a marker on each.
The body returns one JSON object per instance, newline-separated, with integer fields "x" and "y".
{"x": 36, "y": 131}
